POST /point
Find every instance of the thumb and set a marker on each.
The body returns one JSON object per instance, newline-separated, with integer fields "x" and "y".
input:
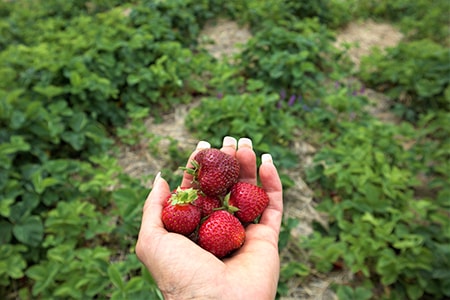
{"x": 155, "y": 202}
{"x": 152, "y": 225}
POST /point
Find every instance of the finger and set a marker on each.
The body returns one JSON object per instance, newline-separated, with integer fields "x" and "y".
{"x": 154, "y": 203}
{"x": 187, "y": 178}
{"x": 151, "y": 224}
{"x": 247, "y": 159}
{"x": 229, "y": 145}
{"x": 271, "y": 183}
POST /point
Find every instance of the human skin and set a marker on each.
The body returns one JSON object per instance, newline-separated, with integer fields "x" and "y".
{"x": 183, "y": 270}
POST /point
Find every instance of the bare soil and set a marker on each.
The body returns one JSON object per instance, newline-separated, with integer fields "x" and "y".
{"x": 223, "y": 39}
{"x": 362, "y": 37}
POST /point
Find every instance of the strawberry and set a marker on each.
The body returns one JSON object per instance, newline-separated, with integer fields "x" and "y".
{"x": 207, "y": 204}
{"x": 179, "y": 214}
{"x": 249, "y": 199}
{"x": 221, "y": 233}
{"x": 214, "y": 171}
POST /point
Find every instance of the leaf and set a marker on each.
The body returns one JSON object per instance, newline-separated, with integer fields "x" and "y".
{"x": 294, "y": 269}
{"x": 5, "y": 206}
{"x": 16, "y": 144}
{"x": 17, "y": 119}
{"x": 49, "y": 91}
{"x": 21, "y": 210}
{"x": 43, "y": 275}
{"x": 368, "y": 217}
{"x": 75, "y": 139}
{"x": 34, "y": 109}
{"x": 362, "y": 293}
{"x": 133, "y": 79}
{"x": 78, "y": 121}
{"x": 409, "y": 241}
{"x": 135, "y": 284}
{"x": 12, "y": 262}
{"x": 414, "y": 291}
{"x": 30, "y": 231}
{"x": 387, "y": 267}
{"x": 5, "y": 232}
{"x": 116, "y": 277}
{"x": 345, "y": 292}
{"x": 41, "y": 184}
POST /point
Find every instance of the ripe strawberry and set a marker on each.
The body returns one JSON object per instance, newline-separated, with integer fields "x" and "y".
{"x": 179, "y": 214}
{"x": 251, "y": 200}
{"x": 214, "y": 171}
{"x": 207, "y": 204}
{"x": 221, "y": 233}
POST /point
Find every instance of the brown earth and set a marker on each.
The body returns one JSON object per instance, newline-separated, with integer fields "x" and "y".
{"x": 222, "y": 38}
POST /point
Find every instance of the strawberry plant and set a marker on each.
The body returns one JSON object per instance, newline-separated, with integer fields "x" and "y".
{"x": 367, "y": 182}
{"x": 252, "y": 115}
{"x": 72, "y": 73}
{"x": 290, "y": 57}
{"x": 418, "y": 19}
{"x": 413, "y": 74}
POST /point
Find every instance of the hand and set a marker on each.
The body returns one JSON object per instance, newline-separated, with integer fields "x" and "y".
{"x": 183, "y": 270}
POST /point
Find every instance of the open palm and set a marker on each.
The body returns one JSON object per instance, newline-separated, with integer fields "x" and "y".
{"x": 183, "y": 270}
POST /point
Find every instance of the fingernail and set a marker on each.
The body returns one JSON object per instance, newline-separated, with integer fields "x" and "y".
{"x": 245, "y": 142}
{"x": 203, "y": 145}
{"x": 229, "y": 141}
{"x": 266, "y": 158}
{"x": 157, "y": 177}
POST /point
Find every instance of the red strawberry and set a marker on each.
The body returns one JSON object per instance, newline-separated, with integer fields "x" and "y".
{"x": 179, "y": 214}
{"x": 215, "y": 171}
{"x": 221, "y": 233}
{"x": 251, "y": 200}
{"x": 207, "y": 204}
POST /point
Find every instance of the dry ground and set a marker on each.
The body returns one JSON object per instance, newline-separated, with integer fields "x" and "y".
{"x": 222, "y": 38}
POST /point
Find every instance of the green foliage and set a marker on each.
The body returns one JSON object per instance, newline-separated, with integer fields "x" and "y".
{"x": 80, "y": 68}
{"x": 418, "y": 19}
{"x": 291, "y": 268}
{"x": 290, "y": 57}
{"x": 379, "y": 228}
{"x": 135, "y": 129}
{"x": 347, "y": 293}
{"x": 74, "y": 72}
{"x": 246, "y": 115}
{"x": 414, "y": 74}
{"x": 282, "y": 12}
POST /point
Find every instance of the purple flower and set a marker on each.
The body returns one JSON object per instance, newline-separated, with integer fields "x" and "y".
{"x": 292, "y": 100}
{"x": 219, "y": 95}
{"x": 300, "y": 99}
{"x": 336, "y": 84}
{"x": 354, "y": 93}
{"x": 362, "y": 90}
{"x": 306, "y": 107}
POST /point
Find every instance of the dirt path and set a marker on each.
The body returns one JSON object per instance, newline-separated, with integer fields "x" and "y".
{"x": 222, "y": 38}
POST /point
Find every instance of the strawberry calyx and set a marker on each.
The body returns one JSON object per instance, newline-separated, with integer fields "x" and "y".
{"x": 183, "y": 196}
{"x": 226, "y": 205}
{"x": 192, "y": 171}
